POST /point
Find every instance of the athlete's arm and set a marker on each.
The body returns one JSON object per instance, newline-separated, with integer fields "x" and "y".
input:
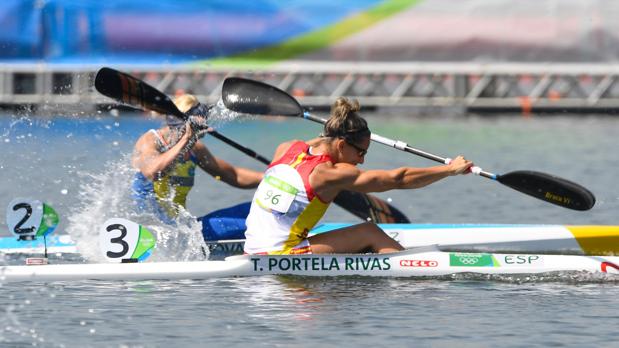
{"x": 407, "y": 177}
{"x": 149, "y": 161}
{"x": 224, "y": 171}
{"x": 344, "y": 176}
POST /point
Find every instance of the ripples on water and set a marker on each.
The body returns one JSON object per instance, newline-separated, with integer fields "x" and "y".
{"x": 81, "y": 167}
{"x": 285, "y": 311}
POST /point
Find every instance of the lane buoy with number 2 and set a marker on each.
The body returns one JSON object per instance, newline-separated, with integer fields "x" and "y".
{"x": 29, "y": 219}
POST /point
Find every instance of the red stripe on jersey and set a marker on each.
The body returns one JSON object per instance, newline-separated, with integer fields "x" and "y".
{"x": 305, "y": 166}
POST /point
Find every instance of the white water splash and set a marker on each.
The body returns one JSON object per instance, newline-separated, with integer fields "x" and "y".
{"x": 107, "y": 195}
{"x": 220, "y": 115}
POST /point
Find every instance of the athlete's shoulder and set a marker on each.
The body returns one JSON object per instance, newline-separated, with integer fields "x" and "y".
{"x": 338, "y": 172}
{"x": 283, "y": 148}
{"x": 147, "y": 138}
{"x": 288, "y": 144}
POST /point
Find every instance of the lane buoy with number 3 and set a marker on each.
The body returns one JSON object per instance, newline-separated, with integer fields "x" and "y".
{"x": 122, "y": 240}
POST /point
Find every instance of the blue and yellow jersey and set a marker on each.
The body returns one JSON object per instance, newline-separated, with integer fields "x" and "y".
{"x": 166, "y": 195}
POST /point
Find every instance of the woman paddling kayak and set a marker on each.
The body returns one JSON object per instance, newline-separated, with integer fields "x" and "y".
{"x": 166, "y": 159}
{"x": 305, "y": 177}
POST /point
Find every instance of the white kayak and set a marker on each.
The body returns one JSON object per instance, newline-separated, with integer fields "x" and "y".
{"x": 552, "y": 239}
{"x": 417, "y": 262}
{"x": 558, "y": 239}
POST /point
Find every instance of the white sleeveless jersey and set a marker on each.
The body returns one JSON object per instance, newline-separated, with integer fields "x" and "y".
{"x": 284, "y": 208}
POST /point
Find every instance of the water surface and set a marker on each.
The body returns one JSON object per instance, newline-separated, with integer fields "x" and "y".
{"x": 80, "y": 166}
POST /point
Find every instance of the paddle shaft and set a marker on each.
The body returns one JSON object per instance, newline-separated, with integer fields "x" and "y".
{"x": 239, "y": 147}
{"x": 400, "y": 145}
{"x": 543, "y": 186}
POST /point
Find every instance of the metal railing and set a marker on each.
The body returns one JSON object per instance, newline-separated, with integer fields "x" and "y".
{"x": 465, "y": 86}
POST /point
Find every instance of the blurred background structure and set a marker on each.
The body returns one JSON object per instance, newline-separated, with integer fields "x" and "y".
{"x": 467, "y": 55}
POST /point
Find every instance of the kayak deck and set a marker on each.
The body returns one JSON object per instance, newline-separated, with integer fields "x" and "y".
{"x": 551, "y": 239}
{"x": 557, "y": 239}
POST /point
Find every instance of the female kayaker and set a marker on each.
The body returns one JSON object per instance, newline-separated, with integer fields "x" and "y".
{"x": 166, "y": 159}
{"x": 306, "y": 176}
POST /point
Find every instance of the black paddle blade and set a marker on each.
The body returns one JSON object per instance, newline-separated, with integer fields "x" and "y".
{"x": 129, "y": 90}
{"x": 258, "y": 98}
{"x": 370, "y": 208}
{"x": 549, "y": 188}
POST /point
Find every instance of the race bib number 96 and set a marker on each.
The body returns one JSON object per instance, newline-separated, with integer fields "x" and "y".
{"x": 275, "y": 194}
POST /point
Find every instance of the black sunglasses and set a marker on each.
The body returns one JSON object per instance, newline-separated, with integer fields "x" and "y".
{"x": 362, "y": 151}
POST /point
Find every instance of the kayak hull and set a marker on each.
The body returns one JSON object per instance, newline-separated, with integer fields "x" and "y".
{"x": 418, "y": 262}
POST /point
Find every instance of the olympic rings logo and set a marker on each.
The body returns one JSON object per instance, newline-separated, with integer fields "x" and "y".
{"x": 468, "y": 260}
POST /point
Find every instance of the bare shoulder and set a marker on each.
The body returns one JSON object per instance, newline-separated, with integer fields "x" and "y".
{"x": 329, "y": 179}
{"x": 282, "y": 148}
{"x": 147, "y": 139}
{"x": 339, "y": 173}
{"x": 347, "y": 169}
{"x": 145, "y": 148}
{"x": 286, "y": 145}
